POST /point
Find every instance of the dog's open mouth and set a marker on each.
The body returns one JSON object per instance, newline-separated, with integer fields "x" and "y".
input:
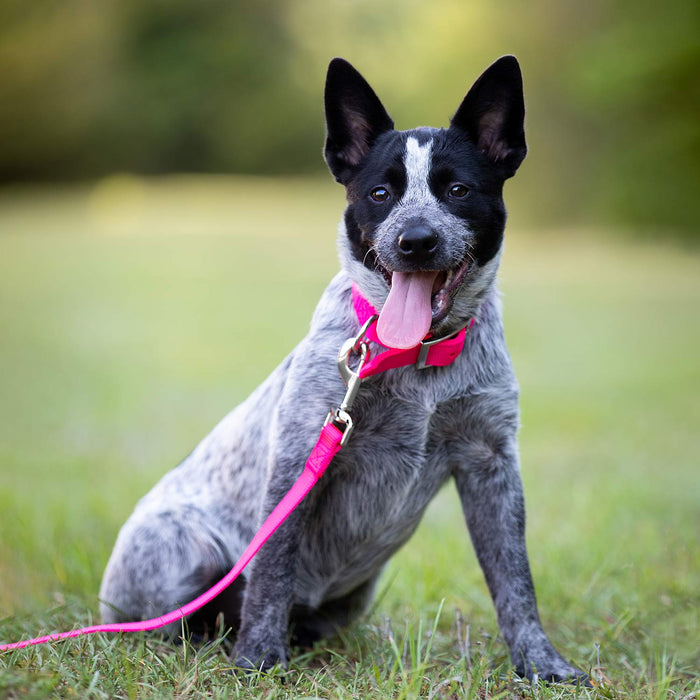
{"x": 416, "y": 301}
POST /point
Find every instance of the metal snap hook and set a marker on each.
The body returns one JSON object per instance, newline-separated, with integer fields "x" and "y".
{"x": 351, "y": 377}
{"x": 358, "y": 346}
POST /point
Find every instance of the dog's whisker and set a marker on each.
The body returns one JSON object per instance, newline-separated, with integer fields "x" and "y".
{"x": 364, "y": 259}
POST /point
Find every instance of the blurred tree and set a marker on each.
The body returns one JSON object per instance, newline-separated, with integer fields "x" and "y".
{"x": 89, "y": 87}
{"x": 57, "y": 63}
{"x": 634, "y": 85}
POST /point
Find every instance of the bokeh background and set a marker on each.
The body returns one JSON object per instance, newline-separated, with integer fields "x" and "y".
{"x": 167, "y": 225}
{"x": 92, "y": 88}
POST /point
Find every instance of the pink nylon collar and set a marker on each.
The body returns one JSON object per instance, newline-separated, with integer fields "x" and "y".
{"x": 438, "y": 352}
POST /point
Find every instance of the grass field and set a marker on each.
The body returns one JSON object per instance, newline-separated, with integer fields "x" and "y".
{"x": 134, "y": 314}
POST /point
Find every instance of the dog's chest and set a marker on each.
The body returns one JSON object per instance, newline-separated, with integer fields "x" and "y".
{"x": 375, "y": 492}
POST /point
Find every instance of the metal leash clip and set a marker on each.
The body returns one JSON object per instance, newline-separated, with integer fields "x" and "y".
{"x": 340, "y": 417}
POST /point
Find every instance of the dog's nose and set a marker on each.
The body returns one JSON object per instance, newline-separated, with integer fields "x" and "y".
{"x": 418, "y": 242}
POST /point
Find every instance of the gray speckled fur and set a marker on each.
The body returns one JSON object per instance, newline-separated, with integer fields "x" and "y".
{"x": 415, "y": 430}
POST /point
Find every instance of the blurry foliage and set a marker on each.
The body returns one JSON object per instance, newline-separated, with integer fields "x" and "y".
{"x": 89, "y": 87}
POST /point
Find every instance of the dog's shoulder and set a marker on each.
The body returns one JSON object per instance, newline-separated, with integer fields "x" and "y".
{"x": 334, "y": 314}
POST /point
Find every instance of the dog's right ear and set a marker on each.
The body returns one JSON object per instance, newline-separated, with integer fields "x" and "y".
{"x": 354, "y": 119}
{"x": 493, "y": 113}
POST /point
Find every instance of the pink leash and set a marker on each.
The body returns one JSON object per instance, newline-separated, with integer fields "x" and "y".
{"x": 334, "y": 434}
{"x": 323, "y": 452}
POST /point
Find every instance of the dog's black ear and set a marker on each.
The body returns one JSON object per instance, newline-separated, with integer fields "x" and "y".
{"x": 354, "y": 119}
{"x": 493, "y": 114}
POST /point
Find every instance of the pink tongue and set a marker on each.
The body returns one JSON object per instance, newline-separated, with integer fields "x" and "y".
{"x": 407, "y": 314}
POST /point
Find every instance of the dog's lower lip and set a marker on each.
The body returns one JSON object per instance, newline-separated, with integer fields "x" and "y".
{"x": 442, "y": 297}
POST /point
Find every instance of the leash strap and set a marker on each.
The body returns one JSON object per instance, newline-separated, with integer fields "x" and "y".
{"x": 431, "y": 352}
{"x": 326, "y": 447}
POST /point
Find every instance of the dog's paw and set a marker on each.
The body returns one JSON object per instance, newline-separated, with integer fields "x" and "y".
{"x": 259, "y": 656}
{"x": 541, "y": 661}
{"x": 560, "y": 672}
{"x": 572, "y": 676}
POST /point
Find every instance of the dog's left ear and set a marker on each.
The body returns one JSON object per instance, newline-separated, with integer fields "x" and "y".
{"x": 355, "y": 117}
{"x": 493, "y": 114}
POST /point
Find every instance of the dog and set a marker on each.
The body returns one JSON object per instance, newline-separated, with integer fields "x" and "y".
{"x": 421, "y": 240}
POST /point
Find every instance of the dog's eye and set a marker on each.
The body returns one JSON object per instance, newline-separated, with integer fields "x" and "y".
{"x": 380, "y": 194}
{"x": 459, "y": 191}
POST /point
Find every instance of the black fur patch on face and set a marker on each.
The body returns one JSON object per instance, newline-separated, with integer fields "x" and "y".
{"x": 383, "y": 167}
{"x": 456, "y": 161}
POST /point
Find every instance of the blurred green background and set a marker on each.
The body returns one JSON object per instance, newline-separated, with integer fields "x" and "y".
{"x": 89, "y": 88}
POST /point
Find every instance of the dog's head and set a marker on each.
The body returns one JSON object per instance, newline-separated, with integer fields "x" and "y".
{"x": 424, "y": 225}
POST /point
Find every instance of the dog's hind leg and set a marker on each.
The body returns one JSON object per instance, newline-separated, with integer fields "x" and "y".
{"x": 309, "y": 625}
{"x": 163, "y": 560}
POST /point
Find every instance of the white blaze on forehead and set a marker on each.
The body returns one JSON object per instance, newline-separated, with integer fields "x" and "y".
{"x": 417, "y": 162}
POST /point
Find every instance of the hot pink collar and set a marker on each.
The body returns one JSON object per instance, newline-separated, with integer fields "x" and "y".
{"x": 430, "y": 352}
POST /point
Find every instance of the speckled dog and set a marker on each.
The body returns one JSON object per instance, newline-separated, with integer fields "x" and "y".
{"x": 421, "y": 238}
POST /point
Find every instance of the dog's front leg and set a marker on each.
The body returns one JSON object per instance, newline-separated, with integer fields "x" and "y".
{"x": 262, "y": 637}
{"x": 491, "y": 492}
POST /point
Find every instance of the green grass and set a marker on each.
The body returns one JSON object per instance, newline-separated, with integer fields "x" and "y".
{"x": 134, "y": 314}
